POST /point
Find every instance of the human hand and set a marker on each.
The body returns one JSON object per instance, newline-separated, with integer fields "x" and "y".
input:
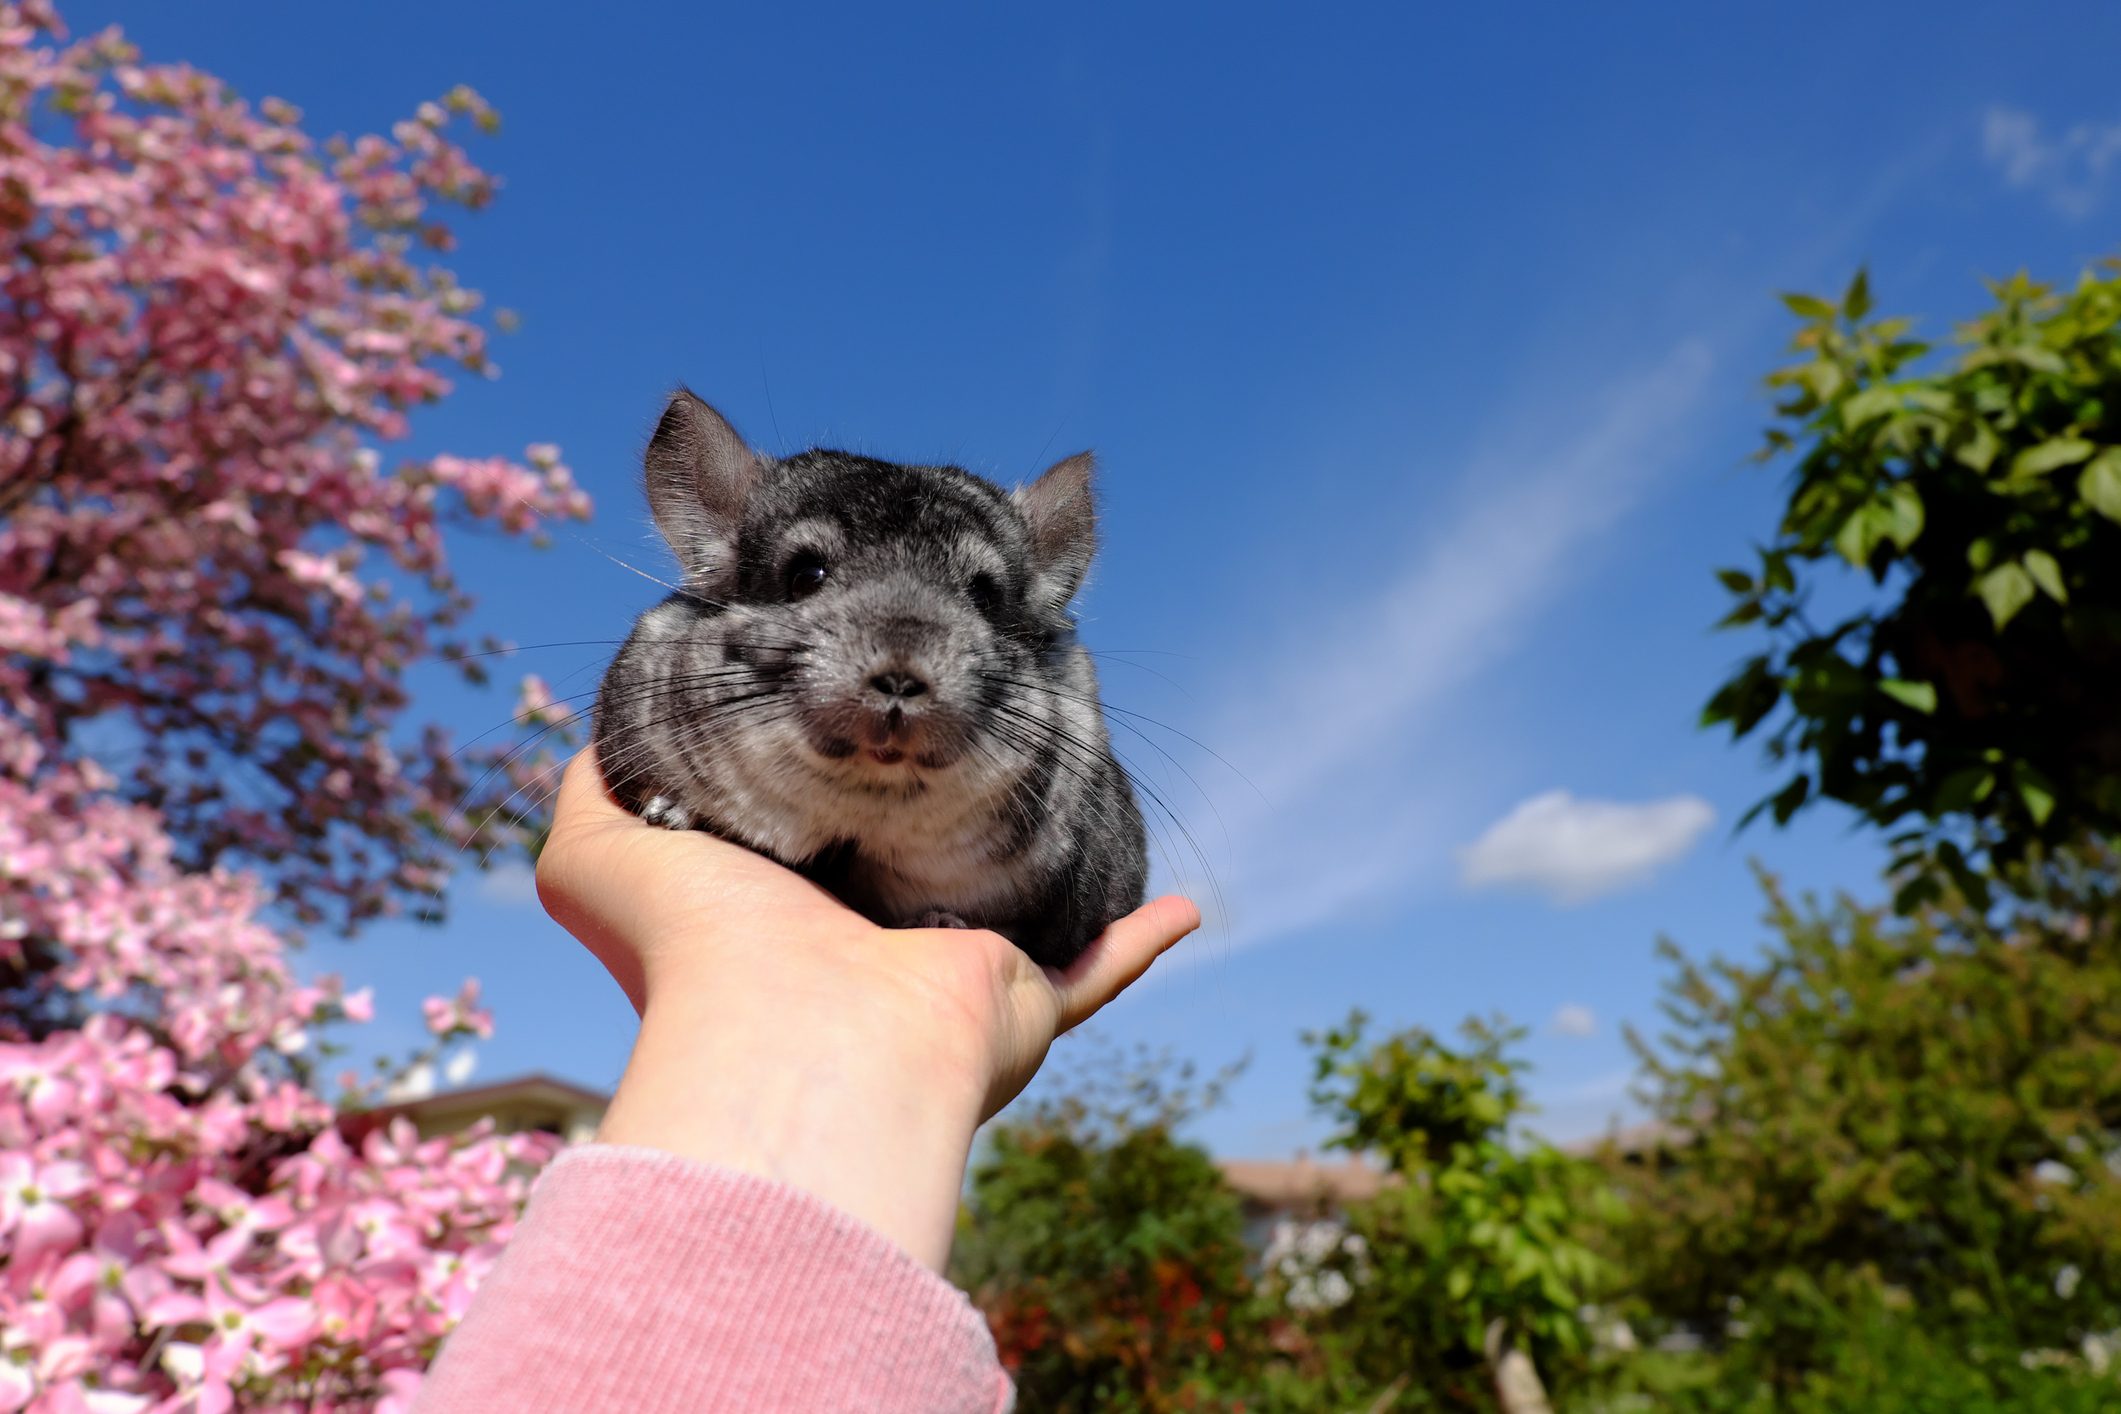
{"x": 784, "y": 1034}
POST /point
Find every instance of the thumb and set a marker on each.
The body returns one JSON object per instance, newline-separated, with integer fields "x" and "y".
{"x": 1121, "y": 954}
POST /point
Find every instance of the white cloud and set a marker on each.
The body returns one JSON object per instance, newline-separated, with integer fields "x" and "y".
{"x": 2070, "y": 170}
{"x": 457, "y": 1069}
{"x": 511, "y": 885}
{"x": 1574, "y": 1019}
{"x": 1574, "y": 850}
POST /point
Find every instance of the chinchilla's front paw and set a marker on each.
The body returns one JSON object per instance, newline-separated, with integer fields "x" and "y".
{"x": 936, "y": 918}
{"x": 662, "y": 810}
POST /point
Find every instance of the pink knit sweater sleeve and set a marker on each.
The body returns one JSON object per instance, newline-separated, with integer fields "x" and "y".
{"x": 643, "y": 1282}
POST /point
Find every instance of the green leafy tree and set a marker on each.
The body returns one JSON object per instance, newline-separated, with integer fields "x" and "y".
{"x": 1922, "y": 1112}
{"x": 1472, "y": 1253}
{"x": 1959, "y": 687}
{"x": 1107, "y": 1253}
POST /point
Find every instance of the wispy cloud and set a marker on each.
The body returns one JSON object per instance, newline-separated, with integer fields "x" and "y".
{"x": 1574, "y": 1019}
{"x": 1332, "y": 826}
{"x": 1575, "y": 850}
{"x": 2069, "y": 169}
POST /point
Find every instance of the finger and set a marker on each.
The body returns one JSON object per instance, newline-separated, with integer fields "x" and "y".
{"x": 1122, "y": 953}
{"x": 584, "y": 799}
{"x": 598, "y": 842}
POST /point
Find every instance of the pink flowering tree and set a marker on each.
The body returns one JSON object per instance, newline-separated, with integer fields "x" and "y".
{"x": 213, "y": 579}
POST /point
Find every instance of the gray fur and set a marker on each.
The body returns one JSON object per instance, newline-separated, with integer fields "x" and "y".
{"x": 920, "y": 731}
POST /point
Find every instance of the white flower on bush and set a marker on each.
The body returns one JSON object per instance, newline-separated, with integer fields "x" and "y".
{"x": 1321, "y": 1263}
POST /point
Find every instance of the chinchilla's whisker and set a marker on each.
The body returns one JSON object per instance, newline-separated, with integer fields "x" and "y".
{"x": 531, "y": 648}
{"x": 470, "y": 795}
{"x": 1022, "y": 730}
{"x": 1156, "y": 746}
{"x": 1132, "y": 717}
{"x": 596, "y": 549}
{"x": 1143, "y": 668}
{"x": 524, "y": 748}
{"x": 1135, "y": 716}
{"x": 614, "y": 770}
{"x": 1155, "y": 652}
{"x": 518, "y": 719}
{"x": 1083, "y": 764}
{"x": 1085, "y": 753}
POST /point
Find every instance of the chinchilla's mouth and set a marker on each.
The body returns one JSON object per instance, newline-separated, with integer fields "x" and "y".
{"x": 887, "y": 756}
{"x": 899, "y": 757}
{"x": 887, "y": 743}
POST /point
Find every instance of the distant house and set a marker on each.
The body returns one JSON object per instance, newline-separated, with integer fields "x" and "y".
{"x": 1279, "y": 1191}
{"x": 526, "y": 1104}
{"x": 1639, "y": 1143}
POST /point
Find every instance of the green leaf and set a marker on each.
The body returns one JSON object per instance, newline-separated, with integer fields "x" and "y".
{"x": 1860, "y": 533}
{"x": 1921, "y": 889}
{"x": 2100, "y": 486}
{"x": 1982, "y": 444}
{"x": 2051, "y": 455}
{"x": 2047, "y": 574}
{"x": 1822, "y": 378}
{"x": 1868, "y": 404}
{"x": 1964, "y": 876}
{"x": 1968, "y": 786}
{"x": 1857, "y": 302}
{"x": 1790, "y": 799}
{"x": 2038, "y": 796}
{"x": 1737, "y": 581}
{"x": 1749, "y": 696}
{"x": 1921, "y": 696}
{"x": 2005, "y": 589}
{"x": 2036, "y": 357}
{"x": 1808, "y": 306}
{"x": 1903, "y": 514}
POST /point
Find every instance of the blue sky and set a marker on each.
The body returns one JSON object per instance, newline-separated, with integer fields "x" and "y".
{"x": 1422, "y": 351}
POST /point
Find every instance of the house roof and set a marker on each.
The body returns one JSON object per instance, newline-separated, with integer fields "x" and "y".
{"x": 1278, "y": 1183}
{"x": 1628, "y": 1140}
{"x": 536, "y": 1086}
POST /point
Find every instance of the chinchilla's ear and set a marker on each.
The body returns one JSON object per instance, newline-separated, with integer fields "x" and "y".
{"x": 699, "y": 475}
{"x": 1063, "y": 522}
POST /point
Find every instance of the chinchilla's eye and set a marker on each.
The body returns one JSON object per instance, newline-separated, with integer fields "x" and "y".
{"x": 804, "y": 576}
{"x": 986, "y": 593}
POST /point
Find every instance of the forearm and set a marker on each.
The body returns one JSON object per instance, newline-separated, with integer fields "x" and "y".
{"x": 884, "y": 1141}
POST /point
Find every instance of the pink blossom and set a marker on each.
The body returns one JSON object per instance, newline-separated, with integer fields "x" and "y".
{"x": 35, "y": 1216}
{"x": 458, "y": 1015}
{"x": 203, "y": 720}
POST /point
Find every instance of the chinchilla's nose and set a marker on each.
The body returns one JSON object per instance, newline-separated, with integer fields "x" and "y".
{"x": 895, "y": 697}
{"x": 898, "y": 684}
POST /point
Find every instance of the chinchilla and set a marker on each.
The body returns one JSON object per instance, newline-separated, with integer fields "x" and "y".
{"x": 870, "y": 673}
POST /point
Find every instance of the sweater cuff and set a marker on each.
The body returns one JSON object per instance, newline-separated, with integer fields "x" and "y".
{"x": 639, "y": 1280}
